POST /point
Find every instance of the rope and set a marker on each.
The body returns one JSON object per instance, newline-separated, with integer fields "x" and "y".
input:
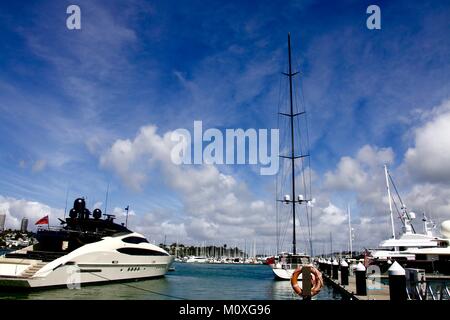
{"x": 309, "y": 163}
{"x": 300, "y": 103}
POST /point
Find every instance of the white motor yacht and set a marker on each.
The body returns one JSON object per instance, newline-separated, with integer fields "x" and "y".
{"x": 84, "y": 250}
{"x": 425, "y": 250}
{"x": 194, "y": 259}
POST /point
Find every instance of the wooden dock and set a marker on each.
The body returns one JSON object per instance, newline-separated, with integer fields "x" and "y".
{"x": 429, "y": 276}
{"x": 375, "y": 289}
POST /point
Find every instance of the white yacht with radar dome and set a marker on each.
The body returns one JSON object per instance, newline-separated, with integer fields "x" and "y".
{"x": 83, "y": 250}
{"x": 411, "y": 248}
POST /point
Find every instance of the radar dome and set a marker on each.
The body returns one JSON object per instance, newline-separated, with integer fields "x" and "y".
{"x": 445, "y": 229}
{"x": 73, "y": 213}
{"x": 79, "y": 205}
{"x": 97, "y": 213}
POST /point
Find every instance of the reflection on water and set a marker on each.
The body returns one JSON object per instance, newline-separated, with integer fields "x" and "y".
{"x": 189, "y": 281}
{"x": 282, "y": 290}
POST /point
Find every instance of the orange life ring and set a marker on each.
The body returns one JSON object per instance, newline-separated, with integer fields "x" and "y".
{"x": 316, "y": 281}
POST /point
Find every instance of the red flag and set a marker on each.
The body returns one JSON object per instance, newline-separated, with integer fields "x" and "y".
{"x": 43, "y": 220}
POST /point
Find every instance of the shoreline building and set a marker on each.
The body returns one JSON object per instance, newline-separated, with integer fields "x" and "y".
{"x": 2, "y": 222}
{"x": 24, "y": 225}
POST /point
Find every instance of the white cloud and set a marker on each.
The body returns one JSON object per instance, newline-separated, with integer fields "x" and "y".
{"x": 355, "y": 173}
{"x": 121, "y": 212}
{"x": 348, "y": 175}
{"x": 216, "y": 205}
{"x": 16, "y": 209}
{"x": 158, "y": 224}
{"x": 332, "y": 215}
{"x": 429, "y": 159}
{"x": 375, "y": 157}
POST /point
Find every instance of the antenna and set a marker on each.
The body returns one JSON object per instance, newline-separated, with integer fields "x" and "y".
{"x": 126, "y": 220}
{"x": 331, "y": 245}
{"x": 67, "y": 197}
{"x": 106, "y": 199}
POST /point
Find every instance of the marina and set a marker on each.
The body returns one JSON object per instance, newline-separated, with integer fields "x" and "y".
{"x": 356, "y": 282}
{"x": 192, "y": 282}
{"x": 93, "y": 250}
{"x": 225, "y": 153}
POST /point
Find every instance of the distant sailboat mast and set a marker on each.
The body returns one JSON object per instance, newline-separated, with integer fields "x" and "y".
{"x": 350, "y": 231}
{"x": 390, "y": 200}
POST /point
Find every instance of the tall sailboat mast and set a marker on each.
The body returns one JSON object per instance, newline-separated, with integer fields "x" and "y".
{"x": 292, "y": 156}
{"x": 290, "y": 75}
{"x": 292, "y": 199}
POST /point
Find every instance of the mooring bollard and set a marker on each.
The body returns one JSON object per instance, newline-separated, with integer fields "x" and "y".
{"x": 344, "y": 273}
{"x": 335, "y": 268}
{"x": 397, "y": 282}
{"x": 360, "y": 275}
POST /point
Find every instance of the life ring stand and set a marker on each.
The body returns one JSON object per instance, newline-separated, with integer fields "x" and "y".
{"x": 316, "y": 281}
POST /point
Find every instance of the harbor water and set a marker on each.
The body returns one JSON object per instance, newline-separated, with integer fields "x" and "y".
{"x": 188, "y": 281}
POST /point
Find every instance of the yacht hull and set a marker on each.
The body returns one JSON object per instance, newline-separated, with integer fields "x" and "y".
{"x": 74, "y": 276}
{"x": 283, "y": 274}
{"x": 97, "y": 262}
{"x": 284, "y": 266}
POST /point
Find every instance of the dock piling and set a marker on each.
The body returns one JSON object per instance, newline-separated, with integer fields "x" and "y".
{"x": 360, "y": 275}
{"x": 344, "y": 273}
{"x": 397, "y": 282}
{"x": 328, "y": 266}
{"x": 335, "y": 269}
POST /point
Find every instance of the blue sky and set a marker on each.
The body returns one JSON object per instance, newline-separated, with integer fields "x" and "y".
{"x": 67, "y": 96}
